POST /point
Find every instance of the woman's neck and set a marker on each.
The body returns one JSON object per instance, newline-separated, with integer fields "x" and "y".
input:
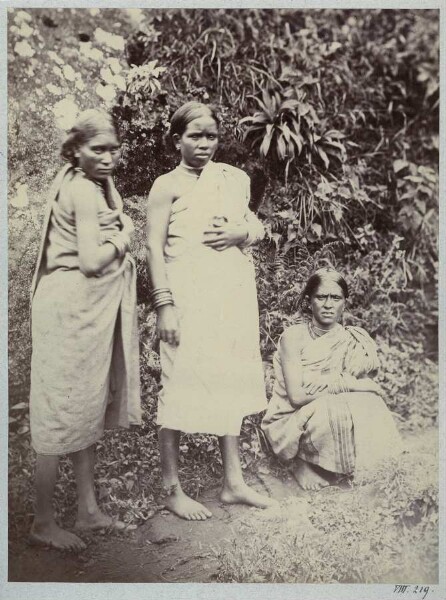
{"x": 318, "y": 330}
{"x": 100, "y": 182}
{"x": 189, "y": 170}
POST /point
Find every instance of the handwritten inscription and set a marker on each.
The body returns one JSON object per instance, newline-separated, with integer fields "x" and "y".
{"x": 421, "y": 591}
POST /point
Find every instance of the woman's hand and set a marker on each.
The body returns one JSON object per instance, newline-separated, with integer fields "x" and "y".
{"x": 222, "y": 236}
{"x": 311, "y": 391}
{"x": 313, "y": 388}
{"x": 167, "y": 326}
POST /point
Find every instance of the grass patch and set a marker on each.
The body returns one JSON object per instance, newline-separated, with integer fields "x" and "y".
{"x": 384, "y": 529}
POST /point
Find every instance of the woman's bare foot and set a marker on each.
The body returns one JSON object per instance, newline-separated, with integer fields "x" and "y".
{"x": 186, "y": 508}
{"x": 307, "y": 477}
{"x": 98, "y": 520}
{"x": 50, "y": 534}
{"x": 243, "y": 494}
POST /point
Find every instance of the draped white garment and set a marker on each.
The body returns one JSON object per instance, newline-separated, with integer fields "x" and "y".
{"x": 214, "y": 377}
{"x": 345, "y": 432}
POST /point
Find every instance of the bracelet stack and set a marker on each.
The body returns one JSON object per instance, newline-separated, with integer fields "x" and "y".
{"x": 161, "y": 297}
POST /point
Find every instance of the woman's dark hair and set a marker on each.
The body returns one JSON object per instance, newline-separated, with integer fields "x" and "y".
{"x": 319, "y": 277}
{"x": 88, "y": 124}
{"x": 187, "y": 113}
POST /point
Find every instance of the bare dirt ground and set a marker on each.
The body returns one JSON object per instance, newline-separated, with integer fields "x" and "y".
{"x": 164, "y": 549}
{"x": 168, "y": 549}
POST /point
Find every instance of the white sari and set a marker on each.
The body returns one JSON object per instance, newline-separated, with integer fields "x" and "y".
{"x": 214, "y": 377}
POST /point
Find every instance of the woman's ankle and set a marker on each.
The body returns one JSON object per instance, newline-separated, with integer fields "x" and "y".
{"x": 43, "y": 521}
{"x": 232, "y": 485}
{"x": 87, "y": 504}
{"x": 171, "y": 488}
{"x": 84, "y": 511}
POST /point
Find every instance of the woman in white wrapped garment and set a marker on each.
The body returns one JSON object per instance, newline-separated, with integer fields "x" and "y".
{"x": 326, "y": 415}
{"x": 204, "y": 292}
{"x": 85, "y": 357}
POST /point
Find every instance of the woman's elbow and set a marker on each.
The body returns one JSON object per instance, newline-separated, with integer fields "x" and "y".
{"x": 89, "y": 268}
{"x": 297, "y": 399}
{"x": 154, "y": 253}
{"x": 89, "y": 273}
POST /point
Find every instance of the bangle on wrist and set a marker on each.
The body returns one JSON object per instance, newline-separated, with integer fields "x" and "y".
{"x": 161, "y": 297}
{"x": 163, "y": 305}
{"x": 163, "y": 300}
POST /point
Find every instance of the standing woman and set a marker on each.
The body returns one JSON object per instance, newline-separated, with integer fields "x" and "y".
{"x": 205, "y": 296}
{"x": 84, "y": 371}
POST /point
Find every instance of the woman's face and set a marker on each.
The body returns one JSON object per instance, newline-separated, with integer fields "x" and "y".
{"x": 99, "y": 155}
{"x": 327, "y": 304}
{"x": 199, "y": 141}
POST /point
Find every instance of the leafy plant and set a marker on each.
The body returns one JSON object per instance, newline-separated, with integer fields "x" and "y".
{"x": 142, "y": 82}
{"x": 417, "y": 215}
{"x": 285, "y": 127}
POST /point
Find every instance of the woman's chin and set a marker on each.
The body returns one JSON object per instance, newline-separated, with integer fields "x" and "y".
{"x": 101, "y": 177}
{"x": 202, "y": 164}
{"x": 327, "y": 323}
{"x": 201, "y": 161}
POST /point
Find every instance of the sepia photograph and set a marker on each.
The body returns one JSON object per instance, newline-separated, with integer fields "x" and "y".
{"x": 223, "y": 303}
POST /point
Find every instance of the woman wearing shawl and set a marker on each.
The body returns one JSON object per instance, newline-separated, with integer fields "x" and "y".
{"x": 205, "y": 296}
{"x": 84, "y": 371}
{"x": 326, "y": 411}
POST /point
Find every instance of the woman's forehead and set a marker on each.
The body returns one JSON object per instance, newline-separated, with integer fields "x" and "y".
{"x": 205, "y": 123}
{"x": 103, "y": 138}
{"x": 329, "y": 287}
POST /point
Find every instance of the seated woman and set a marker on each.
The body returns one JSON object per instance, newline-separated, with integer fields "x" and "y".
{"x": 326, "y": 411}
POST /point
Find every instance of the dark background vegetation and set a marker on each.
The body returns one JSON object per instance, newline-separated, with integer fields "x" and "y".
{"x": 332, "y": 113}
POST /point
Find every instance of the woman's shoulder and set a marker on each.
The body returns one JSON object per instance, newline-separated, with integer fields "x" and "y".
{"x": 294, "y": 336}
{"x": 77, "y": 182}
{"x": 234, "y": 171}
{"x": 75, "y": 190}
{"x": 165, "y": 180}
{"x": 360, "y": 334}
{"x": 363, "y": 351}
{"x": 164, "y": 187}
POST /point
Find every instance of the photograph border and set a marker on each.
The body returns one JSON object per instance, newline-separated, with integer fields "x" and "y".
{"x": 173, "y": 591}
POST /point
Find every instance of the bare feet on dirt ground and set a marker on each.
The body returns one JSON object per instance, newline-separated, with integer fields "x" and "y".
{"x": 51, "y": 535}
{"x": 186, "y": 508}
{"x": 307, "y": 477}
{"x": 243, "y": 494}
{"x": 98, "y": 520}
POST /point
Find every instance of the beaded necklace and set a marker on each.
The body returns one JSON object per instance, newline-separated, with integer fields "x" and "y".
{"x": 314, "y": 329}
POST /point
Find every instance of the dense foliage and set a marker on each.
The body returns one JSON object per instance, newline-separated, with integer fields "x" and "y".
{"x": 334, "y": 115}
